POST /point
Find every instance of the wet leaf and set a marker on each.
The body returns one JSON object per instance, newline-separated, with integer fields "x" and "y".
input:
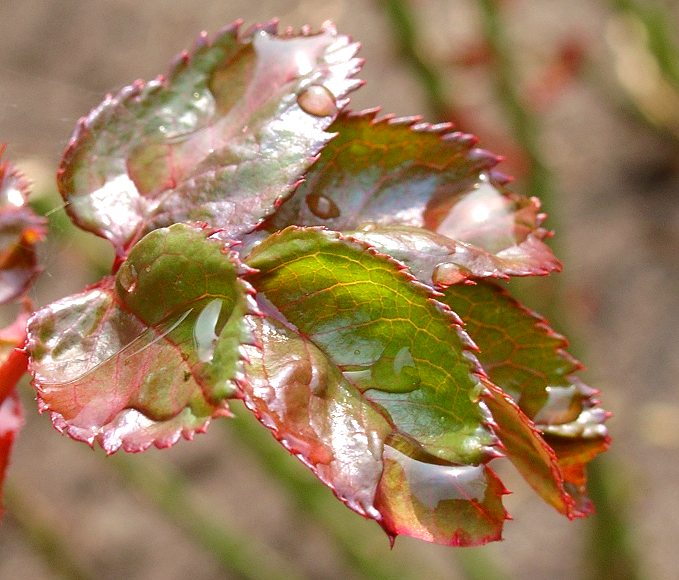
{"x": 392, "y": 341}
{"x": 11, "y": 420}
{"x": 368, "y": 380}
{"x": 315, "y": 411}
{"x": 441, "y": 261}
{"x": 223, "y": 138}
{"x": 151, "y": 355}
{"x": 401, "y": 172}
{"x": 529, "y": 361}
{"x": 20, "y": 230}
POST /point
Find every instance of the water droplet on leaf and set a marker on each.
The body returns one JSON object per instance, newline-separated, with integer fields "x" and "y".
{"x": 322, "y": 207}
{"x": 318, "y": 101}
{"x": 204, "y": 331}
{"x": 447, "y": 274}
{"x": 128, "y": 277}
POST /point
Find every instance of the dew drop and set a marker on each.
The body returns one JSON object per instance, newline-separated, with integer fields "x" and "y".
{"x": 434, "y": 483}
{"x": 128, "y": 277}
{"x": 322, "y": 207}
{"x": 205, "y": 330}
{"x": 318, "y": 101}
{"x": 447, "y": 274}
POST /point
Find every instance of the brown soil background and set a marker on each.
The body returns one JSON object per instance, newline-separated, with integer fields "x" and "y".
{"x": 617, "y": 198}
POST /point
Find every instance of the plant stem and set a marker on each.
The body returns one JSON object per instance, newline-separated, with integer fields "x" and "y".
{"x": 235, "y": 552}
{"x": 610, "y": 553}
{"x": 312, "y": 499}
{"x": 403, "y": 26}
{"x": 12, "y": 371}
{"x": 660, "y": 42}
{"x": 524, "y": 125}
{"x": 43, "y": 536}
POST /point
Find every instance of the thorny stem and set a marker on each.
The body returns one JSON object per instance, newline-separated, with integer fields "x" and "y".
{"x": 235, "y": 552}
{"x": 45, "y": 538}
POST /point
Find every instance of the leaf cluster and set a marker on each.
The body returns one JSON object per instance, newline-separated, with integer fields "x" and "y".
{"x": 337, "y": 272}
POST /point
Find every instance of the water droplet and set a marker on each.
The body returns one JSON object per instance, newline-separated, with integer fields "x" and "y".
{"x": 563, "y": 405}
{"x": 432, "y": 483}
{"x": 484, "y": 216}
{"x": 447, "y": 274}
{"x": 322, "y": 207}
{"x": 357, "y": 352}
{"x": 396, "y": 373}
{"x": 204, "y": 331}
{"x": 317, "y": 100}
{"x": 127, "y": 277}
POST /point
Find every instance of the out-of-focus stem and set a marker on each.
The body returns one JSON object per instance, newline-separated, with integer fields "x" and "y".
{"x": 403, "y": 25}
{"x": 610, "y": 553}
{"x": 311, "y": 498}
{"x": 660, "y": 42}
{"x": 238, "y": 554}
{"x": 523, "y": 123}
{"x": 44, "y": 537}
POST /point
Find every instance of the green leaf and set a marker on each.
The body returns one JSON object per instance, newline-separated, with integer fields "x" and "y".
{"x": 151, "y": 355}
{"x": 224, "y": 138}
{"x": 20, "y": 230}
{"x": 391, "y": 340}
{"x": 297, "y": 391}
{"x": 368, "y": 381}
{"x": 529, "y": 361}
{"x": 401, "y": 172}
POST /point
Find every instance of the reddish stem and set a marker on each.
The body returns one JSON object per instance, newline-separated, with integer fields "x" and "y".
{"x": 14, "y": 368}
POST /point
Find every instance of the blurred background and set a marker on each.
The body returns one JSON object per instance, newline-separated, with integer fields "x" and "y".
{"x": 581, "y": 97}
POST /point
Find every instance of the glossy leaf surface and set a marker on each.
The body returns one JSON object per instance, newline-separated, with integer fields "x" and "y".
{"x": 529, "y": 361}
{"x": 400, "y": 172}
{"x": 314, "y": 410}
{"x": 151, "y": 355}
{"x": 384, "y": 331}
{"x": 441, "y": 261}
{"x": 222, "y": 139}
{"x": 20, "y": 230}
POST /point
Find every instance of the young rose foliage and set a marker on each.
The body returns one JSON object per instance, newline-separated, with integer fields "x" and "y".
{"x": 20, "y": 230}
{"x": 332, "y": 270}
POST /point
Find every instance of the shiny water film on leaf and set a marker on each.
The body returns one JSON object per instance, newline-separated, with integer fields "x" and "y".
{"x": 529, "y": 361}
{"x": 151, "y": 355}
{"x": 223, "y": 138}
{"x": 382, "y": 329}
{"x": 296, "y": 390}
{"x": 426, "y": 194}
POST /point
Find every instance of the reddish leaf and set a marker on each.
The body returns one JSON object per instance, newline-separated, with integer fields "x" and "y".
{"x": 150, "y": 356}
{"x": 11, "y": 420}
{"x": 529, "y": 361}
{"x": 20, "y": 229}
{"x": 436, "y": 259}
{"x": 350, "y": 380}
{"x": 298, "y": 392}
{"x": 401, "y": 172}
{"x": 222, "y": 139}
